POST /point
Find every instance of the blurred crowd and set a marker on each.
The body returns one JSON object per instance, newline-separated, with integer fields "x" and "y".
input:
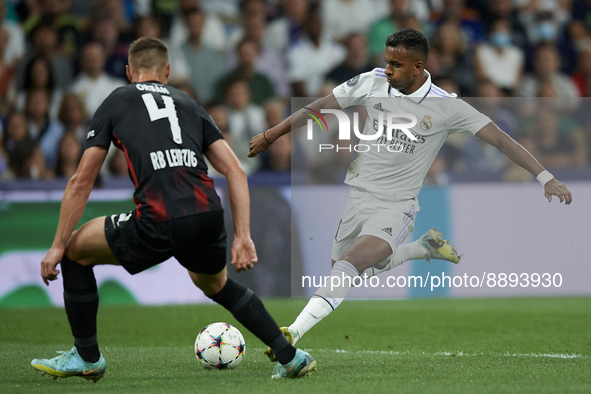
{"x": 244, "y": 59}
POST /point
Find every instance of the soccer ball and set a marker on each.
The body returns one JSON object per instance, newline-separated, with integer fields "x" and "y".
{"x": 220, "y": 346}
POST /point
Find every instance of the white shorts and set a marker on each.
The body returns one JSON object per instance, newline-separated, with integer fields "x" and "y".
{"x": 365, "y": 214}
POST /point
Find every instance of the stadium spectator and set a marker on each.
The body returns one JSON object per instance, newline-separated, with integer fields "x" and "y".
{"x": 466, "y": 19}
{"x": 39, "y": 76}
{"x": 261, "y": 88}
{"x": 499, "y": 110}
{"x": 245, "y": 120}
{"x": 148, "y": 26}
{"x": 15, "y": 47}
{"x": 581, "y": 12}
{"x": 42, "y": 128}
{"x": 449, "y": 57}
{"x": 491, "y": 11}
{"x": 253, "y": 9}
{"x": 106, "y": 32}
{"x": 545, "y": 28}
{"x": 356, "y": 62}
{"x": 578, "y": 34}
{"x": 359, "y": 14}
{"x": 285, "y": 32}
{"x": 73, "y": 116}
{"x": 474, "y": 154}
{"x": 556, "y": 138}
{"x": 498, "y": 60}
{"x": 68, "y": 156}
{"x": 44, "y": 42}
{"x": 545, "y": 21}
{"x": 7, "y": 85}
{"x": 151, "y": 26}
{"x": 25, "y": 158}
{"x": 279, "y": 158}
{"x": 219, "y": 113}
{"x": 547, "y": 70}
{"x": 582, "y": 75}
{"x": 447, "y": 84}
{"x": 68, "y": 27}
{"x": 226, "y": 9}
{"x": 312, "y": 58}
{"x": 206, "y": 64}
{"x": 113, "y": 10}
{"x": 212, "y": 29}
{"x": 186, "y": 87}
{"x": 269, "y": 61}
{"x": 93, "y": 84}
{"x": 399, "y": 9}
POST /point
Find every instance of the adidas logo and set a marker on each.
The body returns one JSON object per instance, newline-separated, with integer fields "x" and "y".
{"x": 387, "y": 230}
{"x": 378, "y": 106}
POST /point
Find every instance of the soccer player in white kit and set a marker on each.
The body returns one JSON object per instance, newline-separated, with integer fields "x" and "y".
{"x": 382, "y": 203}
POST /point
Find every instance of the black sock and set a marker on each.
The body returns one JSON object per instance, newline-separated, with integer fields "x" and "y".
{"x": 81, "y": 301}
{"x": 249, "y": 310}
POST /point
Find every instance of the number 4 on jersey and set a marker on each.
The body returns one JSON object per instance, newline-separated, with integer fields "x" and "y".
{"x": 168, "y": 111}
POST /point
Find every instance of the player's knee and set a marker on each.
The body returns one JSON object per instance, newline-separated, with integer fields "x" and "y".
{"x": 209, "y": 284}
{"x": 354, "y": 260}
{"x": 75, "y": 251}
{"x": 74, "y": 254}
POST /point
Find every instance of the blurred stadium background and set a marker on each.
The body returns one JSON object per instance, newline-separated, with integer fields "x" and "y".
{"x": 244, "y": 61}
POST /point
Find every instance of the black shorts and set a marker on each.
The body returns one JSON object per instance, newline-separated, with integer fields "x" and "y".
{"x": 198, "y": 242}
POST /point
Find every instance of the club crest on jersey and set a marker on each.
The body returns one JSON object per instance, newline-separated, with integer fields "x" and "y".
{"x": 353, "y": 81}
{"x": 426, "y": 123}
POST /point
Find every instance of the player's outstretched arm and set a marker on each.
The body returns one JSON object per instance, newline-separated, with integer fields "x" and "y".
{"x": 521, "y": 156}
{"x": 72, "y": 208}
{"x": 221, "y": 157}
{"x": 261, "y": 142}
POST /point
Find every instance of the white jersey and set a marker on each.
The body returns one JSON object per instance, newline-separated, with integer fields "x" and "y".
{"x": 397, "y": 173}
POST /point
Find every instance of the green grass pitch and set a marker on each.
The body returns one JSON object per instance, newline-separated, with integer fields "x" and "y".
{"x": 538, "y": 345}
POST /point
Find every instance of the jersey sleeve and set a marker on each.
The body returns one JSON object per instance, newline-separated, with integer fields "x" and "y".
{"x": 211, "y": 133}
{"x": 100, "y": 128}
{"x": 463, "y": 118}
{"x": 354, "y": 91}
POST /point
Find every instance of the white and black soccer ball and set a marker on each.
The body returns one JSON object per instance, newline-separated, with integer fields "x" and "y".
{"x": 220, "y": 346}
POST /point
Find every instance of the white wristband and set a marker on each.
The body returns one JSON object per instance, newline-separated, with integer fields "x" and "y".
{"x": 544, "y": 176}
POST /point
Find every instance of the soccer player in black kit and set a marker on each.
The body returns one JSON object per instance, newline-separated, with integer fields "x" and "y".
{"x": 164, "y": 135}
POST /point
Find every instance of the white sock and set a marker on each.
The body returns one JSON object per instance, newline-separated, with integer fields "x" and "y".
{"x": 411, "y": 251}
{"x": 326, "y": 298}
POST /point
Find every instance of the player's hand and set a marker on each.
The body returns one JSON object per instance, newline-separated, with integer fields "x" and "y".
{"x": 49, "y": 263}
{"x": 244, "y": 254}
{"x": 555, "y": 188}
{"x": 258, "y": 144}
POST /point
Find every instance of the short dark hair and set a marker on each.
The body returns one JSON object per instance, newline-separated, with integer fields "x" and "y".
{"x": 410, "y": 39}
{"x": 148, "y": 52}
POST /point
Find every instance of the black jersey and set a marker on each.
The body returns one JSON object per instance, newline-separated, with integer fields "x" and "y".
{"x": 163, "y": 133}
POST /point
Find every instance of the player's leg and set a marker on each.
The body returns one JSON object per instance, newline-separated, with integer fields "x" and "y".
{"x": 366, "y": 251}
{"x": 87, "y": 247}
{"x": 204, "y": 256}
{"x": 377, "y": 227}
{"x": 430, "y": 245}
{"x": 249, "y": 310}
